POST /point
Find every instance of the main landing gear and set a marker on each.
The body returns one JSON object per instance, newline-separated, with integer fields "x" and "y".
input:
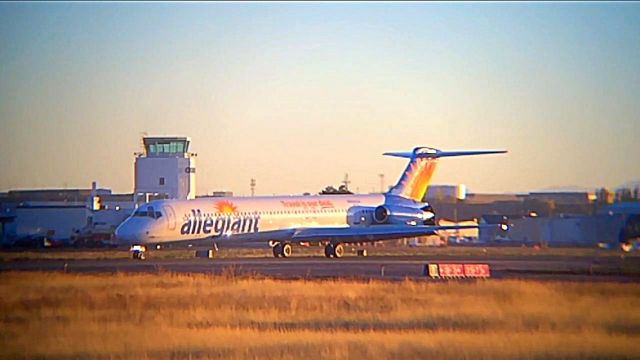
{"x": 282, "y": 250}
{"x": 334, "y": 250}
{"x": 285, "y": 250}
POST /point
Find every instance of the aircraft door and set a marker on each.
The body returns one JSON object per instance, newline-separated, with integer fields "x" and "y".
{"x": 171, "y": 217}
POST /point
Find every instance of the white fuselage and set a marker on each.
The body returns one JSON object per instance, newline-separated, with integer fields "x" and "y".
{"x": 237, "y": 218}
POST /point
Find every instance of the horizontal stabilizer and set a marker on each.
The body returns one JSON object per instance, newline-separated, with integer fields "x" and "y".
{"x": 415, "y": 179}
{"x": 426, "y": 152}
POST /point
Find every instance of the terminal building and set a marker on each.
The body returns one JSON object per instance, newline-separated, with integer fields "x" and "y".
{"x": 164, "y": 169}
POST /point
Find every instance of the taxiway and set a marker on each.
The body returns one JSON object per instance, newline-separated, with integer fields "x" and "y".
{"x": 383, "y": 267}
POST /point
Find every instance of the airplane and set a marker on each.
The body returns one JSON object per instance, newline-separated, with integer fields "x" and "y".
{"x": 284, "y": 221}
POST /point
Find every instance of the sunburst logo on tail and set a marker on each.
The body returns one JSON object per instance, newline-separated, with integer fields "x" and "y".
{"x": 226, "y": 207}
{"x": 414, "y": 181}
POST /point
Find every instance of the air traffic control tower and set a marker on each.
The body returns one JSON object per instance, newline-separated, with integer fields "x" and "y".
{"x": 165, "y": 169}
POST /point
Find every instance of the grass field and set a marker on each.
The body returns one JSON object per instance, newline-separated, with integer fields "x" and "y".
{"x": 56, "y": 315}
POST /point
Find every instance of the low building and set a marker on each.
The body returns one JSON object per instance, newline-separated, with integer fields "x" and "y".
{"x": 62, "y": 215}
{"x": 564, "y": 198}
{"x": 54, "y": 214}
{"x": 221, "y": 193}
{"x": 446, "y": 193}
{"x": 555, "y": 231}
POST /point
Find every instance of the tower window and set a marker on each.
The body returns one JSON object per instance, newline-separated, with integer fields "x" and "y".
{"x": 161, "y": 181}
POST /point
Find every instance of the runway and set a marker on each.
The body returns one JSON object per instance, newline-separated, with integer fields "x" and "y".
{"x": 611, "y": 268}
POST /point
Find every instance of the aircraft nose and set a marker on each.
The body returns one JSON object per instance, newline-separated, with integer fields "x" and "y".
{"x": 123, "y": 233}
{"x": 128, "y": 233}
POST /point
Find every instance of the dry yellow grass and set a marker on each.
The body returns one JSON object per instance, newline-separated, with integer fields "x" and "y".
{"x": 198, "y": 316}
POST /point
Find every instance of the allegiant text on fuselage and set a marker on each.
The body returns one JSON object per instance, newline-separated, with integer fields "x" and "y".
{"x": 197, "y": 223}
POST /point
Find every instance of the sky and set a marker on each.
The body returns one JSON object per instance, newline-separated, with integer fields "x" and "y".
{"x": 296, "y": 95}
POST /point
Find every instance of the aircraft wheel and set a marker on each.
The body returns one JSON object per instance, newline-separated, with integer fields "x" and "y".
{"x": 286, "y": 250}
{"x": 277, "y": 250}
{"x": 338, "y": 250}
{"x": 328, "y": 250}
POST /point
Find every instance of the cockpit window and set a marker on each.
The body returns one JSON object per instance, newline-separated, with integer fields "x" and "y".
{"x": 148, "y": 212}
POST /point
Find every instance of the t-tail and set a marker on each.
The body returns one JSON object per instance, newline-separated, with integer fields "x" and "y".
{"x": 415, "y": 179}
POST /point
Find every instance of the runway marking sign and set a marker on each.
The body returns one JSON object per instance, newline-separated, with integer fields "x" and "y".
{"x": 458, "y": 271}
{"x": 451, "y": 270}
{"x": 433, "y": 270}
{"x": 476, "y": 270}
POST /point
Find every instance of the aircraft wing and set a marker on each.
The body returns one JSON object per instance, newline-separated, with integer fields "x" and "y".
{"x": 344, "y": 234}
{"x": 374, "y": 233}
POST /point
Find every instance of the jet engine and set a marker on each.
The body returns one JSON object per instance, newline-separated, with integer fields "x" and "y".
{"x": 404, "y": 215}
{"x": 360, "y": 216}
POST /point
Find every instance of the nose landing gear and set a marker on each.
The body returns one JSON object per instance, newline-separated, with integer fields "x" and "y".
{"x": 138, "y": 252}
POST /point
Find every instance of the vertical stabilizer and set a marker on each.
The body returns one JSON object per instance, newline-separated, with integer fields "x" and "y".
{"x": 415, "y": 179}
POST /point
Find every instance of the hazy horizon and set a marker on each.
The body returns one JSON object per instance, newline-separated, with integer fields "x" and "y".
{"x": 296, "y": 95}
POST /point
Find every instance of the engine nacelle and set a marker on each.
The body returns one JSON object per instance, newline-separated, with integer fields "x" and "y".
{"x": 360, "y": 216}
{"x": 403, "y": 215}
